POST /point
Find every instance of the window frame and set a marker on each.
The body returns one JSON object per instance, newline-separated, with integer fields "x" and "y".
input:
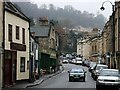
{"x": 23, "y": 35}
{"x": 9, "y": 32}
{"x": 17, "y": 32}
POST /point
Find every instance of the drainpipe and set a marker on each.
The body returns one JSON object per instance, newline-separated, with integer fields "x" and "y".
{"x": 30, "y": 75}
{"x": 118, "y": 59}
{"x": 3, "y": 44}
{"x": 29, "y": 59}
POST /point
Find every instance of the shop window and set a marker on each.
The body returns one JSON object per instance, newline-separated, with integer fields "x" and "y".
{"x": 22, "y": 64}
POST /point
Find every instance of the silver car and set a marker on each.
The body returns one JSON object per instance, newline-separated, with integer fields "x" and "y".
{"x": 108, "y": 78}
{"x": 77, "y": 74}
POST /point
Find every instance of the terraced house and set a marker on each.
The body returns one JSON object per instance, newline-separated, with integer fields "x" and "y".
{"x": 34, "y": 45}
{"x": 16, "y": 45}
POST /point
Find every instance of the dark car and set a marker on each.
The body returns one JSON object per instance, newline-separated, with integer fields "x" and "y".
{"x": 92, "y": 65}
{"x": 77, "y": 74}
{"x": 87, "y": 63}
{"x": 96, "y": 71}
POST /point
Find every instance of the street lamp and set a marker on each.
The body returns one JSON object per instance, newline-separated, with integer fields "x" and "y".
{"x": 113, "y": 25}
{"x": 103, "y": 8}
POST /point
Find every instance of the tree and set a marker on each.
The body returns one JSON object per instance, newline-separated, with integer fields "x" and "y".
{"x": 51, "y": 7}
{"x": 67, "y": 16}
{"x": 43, "y": 6}
{"x": 68, "y": 8}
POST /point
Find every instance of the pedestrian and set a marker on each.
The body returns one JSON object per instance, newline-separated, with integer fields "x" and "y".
{"x": 54, "y": 67}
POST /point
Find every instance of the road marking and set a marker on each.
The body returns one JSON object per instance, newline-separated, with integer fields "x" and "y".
{"x": 63, "y": 71}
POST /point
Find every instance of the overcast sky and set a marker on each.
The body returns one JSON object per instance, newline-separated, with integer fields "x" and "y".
{"x": 92, "y": 6}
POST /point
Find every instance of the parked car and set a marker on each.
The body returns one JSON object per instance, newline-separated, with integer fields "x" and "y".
{"x": 65, "y": 61}
{"x": 70, "y": 60}
{"x": 83, "y": 62}
{"x": 73, "y": 60}
{"x": 96, "y": 70}
{"x": 77, "y": 74}
{"x": 92, "y": 65}
{"x": 79, "y": 61}
{"x": 108, "y": 78}
{"x": 87, "y": 63}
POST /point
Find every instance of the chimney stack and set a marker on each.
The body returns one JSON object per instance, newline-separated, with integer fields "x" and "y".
{"x": 43, "y": 21}
{"x": 33, "y": 34}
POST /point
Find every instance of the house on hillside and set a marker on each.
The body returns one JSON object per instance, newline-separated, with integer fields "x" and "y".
{"x": 16, "y": 45}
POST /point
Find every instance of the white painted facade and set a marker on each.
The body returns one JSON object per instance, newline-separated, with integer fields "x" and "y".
{"x": 83, "y": 48}
{"x": 86, "y": 50}
{"x": 17, "y": 21}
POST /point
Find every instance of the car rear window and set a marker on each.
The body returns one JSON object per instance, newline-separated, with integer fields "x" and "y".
{"x": 77, "y": 71}
{"x": 101, "y": 67}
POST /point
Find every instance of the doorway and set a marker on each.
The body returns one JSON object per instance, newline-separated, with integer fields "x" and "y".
{"x": 10, "y": 63}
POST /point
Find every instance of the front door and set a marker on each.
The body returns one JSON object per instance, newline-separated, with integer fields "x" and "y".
{"x": 8, "y": 69}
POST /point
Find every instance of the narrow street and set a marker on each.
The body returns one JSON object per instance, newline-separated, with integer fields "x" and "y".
{"x": 38, "y": 36}
{"x": 61, "y": 80}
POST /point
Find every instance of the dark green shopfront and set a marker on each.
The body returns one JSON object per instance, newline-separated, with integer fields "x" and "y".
{"x": 47, "y": 61}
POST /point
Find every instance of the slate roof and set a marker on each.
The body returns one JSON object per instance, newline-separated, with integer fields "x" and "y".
{"x": 40, "y": 31}
{"x": 12, "y": 9}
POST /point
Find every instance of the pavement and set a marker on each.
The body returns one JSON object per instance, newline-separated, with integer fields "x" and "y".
{"x": 26, "y": 84}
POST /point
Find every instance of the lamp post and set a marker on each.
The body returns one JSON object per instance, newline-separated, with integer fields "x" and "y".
{"x": 103, "y": 8}
{"x": 113, "y": 28}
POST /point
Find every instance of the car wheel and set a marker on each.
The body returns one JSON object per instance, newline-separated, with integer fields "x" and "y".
{"x": 84, "y": 79}
{"x": 97, "y": 87}
{"x": 70, "y": 79}
{"x": 95, "y": 78}
{"x": 92, "y": 75}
